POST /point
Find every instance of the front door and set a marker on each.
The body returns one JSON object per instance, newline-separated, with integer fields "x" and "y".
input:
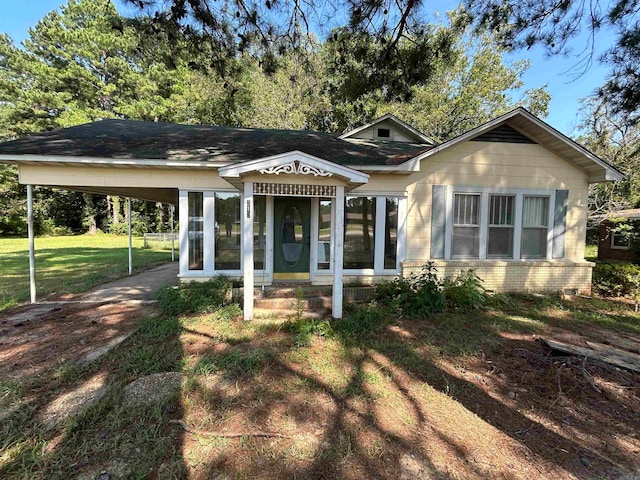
{"x": 292, "y": 238}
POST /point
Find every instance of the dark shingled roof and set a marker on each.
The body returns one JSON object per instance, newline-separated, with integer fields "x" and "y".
{"x": 134, "y": 139}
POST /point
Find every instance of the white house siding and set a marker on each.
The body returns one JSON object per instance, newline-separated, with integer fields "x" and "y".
{"x": 502, "y": 165}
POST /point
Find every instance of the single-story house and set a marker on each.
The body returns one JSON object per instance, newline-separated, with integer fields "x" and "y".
{"x": 613, "y": 244}
{"x": 508, "y": 198}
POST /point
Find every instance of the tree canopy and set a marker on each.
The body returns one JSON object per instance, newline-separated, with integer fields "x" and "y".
{"x": 86, "y": 61}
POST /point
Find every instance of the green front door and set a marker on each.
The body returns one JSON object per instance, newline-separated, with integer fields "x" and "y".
{"x": 292, "y": 238}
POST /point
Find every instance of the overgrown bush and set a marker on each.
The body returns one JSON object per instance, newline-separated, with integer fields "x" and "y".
{"x": 423, "y": 293}
{"x": 617, "y": 280}
{"x": 418, "y": 295}
{"x": 464, "y": 291}
{"x": 195, "y": 297}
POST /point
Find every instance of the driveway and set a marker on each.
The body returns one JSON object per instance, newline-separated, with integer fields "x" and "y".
{"x": 77, "y": 328}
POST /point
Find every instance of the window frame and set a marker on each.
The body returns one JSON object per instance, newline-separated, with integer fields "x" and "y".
{"x": 619, "y": 247}
{"x": 512, "y": 226}
{"x": 378, "y": 257}
{"x": 485, "y": 192}
{"x": 467, "y": 225}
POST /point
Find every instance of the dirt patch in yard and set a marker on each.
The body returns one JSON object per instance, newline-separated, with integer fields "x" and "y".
{"x": 61, "y": 333}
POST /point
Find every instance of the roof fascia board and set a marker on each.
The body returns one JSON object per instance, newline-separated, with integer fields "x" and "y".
{"x": 238, "y": 169}
{"x": 393, "y": 118}
{"x": 610, "y": 174}
{"x": 101, "y": 161}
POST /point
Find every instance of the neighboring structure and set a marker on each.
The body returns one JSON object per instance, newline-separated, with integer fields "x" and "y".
{"x": 613, "y": 245}
{"x": 508, "y": 198}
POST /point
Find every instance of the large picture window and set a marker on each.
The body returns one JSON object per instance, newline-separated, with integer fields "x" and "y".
{"x": 501, "y": 226}
{"x": 465, "y": 241}
{"x": 196, "y": 231}
{"x": 535, "y": 225}
{"x": 227, "y": 237}
{"x": 359, "y": 229}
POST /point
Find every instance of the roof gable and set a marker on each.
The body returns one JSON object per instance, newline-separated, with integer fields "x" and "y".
{"x": 390, "y": 122}
{"x": 530, "y": 126}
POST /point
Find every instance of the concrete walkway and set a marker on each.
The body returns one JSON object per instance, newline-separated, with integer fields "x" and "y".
{"x": 141, "y": 286}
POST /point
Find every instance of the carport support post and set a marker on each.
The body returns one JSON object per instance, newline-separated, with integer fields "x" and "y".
{"x": 336, "y": 301}
{"x": 129, "y": 229}
{"x": 247, "y": 249}
{"x": 173, "y": 246}
{"x": 32, "y": 253}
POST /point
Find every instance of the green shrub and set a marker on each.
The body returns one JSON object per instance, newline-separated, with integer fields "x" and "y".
{"x": 195, "y": 297}
{"x": 61, "y": 231}
{"x": 617, "y": 280}
{"x": 464, "y": 291}
{"x": 418, "y": 295}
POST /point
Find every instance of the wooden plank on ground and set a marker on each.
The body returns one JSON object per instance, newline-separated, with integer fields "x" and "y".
{"x": 603, "y": 353}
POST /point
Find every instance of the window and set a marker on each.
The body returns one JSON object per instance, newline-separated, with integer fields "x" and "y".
{"x": 324, "y": 235}
{"x": 391, "y": 234}
{"x": 259, "y": 231}
{"x": 384, "y": 133}
{"x": 196, "y": 230}
{"x": 535, "y": 225}
{"x": 227, "y": 238}
{"x": 620, "y": 241}
{"x": 359, "y": 228}
{"x": 465, "y": 240}
{"x": 501, "y": 226}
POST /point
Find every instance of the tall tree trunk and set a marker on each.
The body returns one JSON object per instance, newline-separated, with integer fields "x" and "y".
{"x": 116, "y": 210}
{"x": 159, "y": 217}
{"x": 89, "y": 214}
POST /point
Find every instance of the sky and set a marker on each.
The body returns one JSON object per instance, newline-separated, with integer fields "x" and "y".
{"x": 17, "y": 16}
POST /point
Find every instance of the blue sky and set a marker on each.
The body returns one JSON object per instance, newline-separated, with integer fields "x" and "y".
{"x": 18, "y": 15}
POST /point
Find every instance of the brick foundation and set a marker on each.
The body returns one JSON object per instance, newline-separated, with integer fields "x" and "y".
{"x": 518, "y": 276}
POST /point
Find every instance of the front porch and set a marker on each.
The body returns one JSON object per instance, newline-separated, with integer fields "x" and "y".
{"x": 285, "y": 220}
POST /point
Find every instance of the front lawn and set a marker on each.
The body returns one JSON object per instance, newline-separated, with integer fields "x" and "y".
{"x": 69, "y": 264}
{"x": 459, "y": 395}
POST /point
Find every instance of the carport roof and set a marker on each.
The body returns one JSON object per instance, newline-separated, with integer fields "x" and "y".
{"x": 129, "y": 139}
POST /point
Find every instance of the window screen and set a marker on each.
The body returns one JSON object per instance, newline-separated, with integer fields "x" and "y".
{"x": 501, "y": 226}
{"x": 535, "y": 224}
{"x": 465, "y": 241}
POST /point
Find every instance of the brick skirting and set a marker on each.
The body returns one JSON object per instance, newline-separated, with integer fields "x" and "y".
{"x": 518, "y": 276}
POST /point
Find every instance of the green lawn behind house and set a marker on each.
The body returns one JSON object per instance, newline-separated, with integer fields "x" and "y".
{"x": 69, "y": 264}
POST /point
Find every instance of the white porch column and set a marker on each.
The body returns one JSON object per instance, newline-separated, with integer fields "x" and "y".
{"x": 338, "y": 254}
{"x": 183, "y": 231}
{"x": 32, "y": 254}
{"x": 129, "y": 230}
{"x": 247, "y": 249}
{"x": 173, "y": 243}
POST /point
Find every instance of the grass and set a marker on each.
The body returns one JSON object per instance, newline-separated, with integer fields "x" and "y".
{"x": 355, "y": 396}
{"x": 69, "y": 264}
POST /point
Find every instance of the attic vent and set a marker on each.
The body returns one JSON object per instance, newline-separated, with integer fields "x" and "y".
{"x": 384, "y": 133}
{"x": 502, "y": 134}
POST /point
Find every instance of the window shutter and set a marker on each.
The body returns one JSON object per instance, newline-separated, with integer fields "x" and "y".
{"x": 438, "y": 220}
{"x": 560, "y": 223}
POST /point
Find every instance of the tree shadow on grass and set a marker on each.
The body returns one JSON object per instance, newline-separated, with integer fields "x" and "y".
{"x": 125, "y": 441}
{"x": 386, "y": 406}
